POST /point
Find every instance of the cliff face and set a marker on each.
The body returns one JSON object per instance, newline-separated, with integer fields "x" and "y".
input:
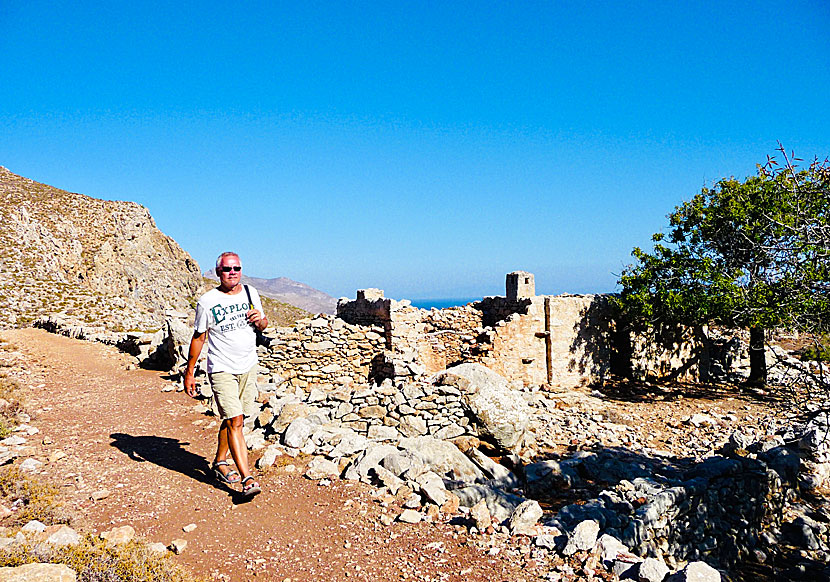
{"x": 101, "y": 263}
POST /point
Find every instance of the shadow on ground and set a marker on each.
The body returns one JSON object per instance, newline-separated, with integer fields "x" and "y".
{"x": 172, "y": 455}
{"x": 637, "y": 391}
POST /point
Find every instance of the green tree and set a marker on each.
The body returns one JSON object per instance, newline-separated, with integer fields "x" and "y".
{"x": 747, "y": 254}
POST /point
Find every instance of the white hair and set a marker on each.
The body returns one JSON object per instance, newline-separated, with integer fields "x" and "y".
{"x": 222, "y": 256}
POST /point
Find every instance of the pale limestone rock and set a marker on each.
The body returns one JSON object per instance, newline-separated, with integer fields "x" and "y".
{"x": 178, "y": 546}
{"x": 481, "y": 515}
{"x": 388, "y": 479}
{"x": 320, "y": 468}
{"x": 410, "y": 516}
{"x": 365, "y": 461}
{"x": 61, "y": 535}
{"x": 443, "y": 457}
{"x": 119, "y": 535}
{"x": 288, "y": 413}
{"x": 100, "y": 494}
{"x": 298, "y": 432}
{"x": 696, "y": 572}
{"x": 383, "y": 433}
{"x": 412, "y": 426}
{"x": 652, "y": 570}
{"x": 524, "y": 519}
{"x": 582, "y": 538}
{"x": 38, "y": 572}
{"x": 269, "y": 457}
{"x": 500, "y": 504}
{"x": 157, "y": 547}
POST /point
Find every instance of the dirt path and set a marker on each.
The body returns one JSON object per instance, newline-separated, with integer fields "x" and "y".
{"x": 121, "y": 433}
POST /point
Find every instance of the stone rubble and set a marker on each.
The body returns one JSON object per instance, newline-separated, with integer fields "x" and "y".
{"x": 660, "y": 512}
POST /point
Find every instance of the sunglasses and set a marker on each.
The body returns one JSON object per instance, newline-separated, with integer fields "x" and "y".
{"x": 235, "y": 268}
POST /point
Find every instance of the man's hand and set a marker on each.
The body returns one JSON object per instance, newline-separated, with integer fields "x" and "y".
{"x": 190, "y": 384}
{"x": 257, "y": 319}
{"x": 196, "y": 344}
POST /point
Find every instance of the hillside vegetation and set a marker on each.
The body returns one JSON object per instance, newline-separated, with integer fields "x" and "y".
{"x": 98, "y": 262}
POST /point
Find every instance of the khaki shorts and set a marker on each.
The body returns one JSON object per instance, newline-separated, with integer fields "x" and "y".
{"x": 233, "y": 394}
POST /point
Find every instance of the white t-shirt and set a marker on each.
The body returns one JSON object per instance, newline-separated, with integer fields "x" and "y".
{"x": 231, "y": 339}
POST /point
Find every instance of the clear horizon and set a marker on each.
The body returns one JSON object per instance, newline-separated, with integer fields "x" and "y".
{"x": 426, "y": 150}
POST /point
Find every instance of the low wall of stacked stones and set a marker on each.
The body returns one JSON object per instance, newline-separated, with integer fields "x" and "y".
{"x": 384, "y": 412}
{"x": 714, "y": 512}
{"x": 325, "y": 352}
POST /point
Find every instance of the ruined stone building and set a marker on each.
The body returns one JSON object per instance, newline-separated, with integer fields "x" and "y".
{"x": 552, "y": 341}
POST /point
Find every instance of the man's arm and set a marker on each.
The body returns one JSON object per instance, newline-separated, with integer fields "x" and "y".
{"x": 196, "y": 344}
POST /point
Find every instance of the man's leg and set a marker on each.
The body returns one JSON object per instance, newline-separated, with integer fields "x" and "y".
{"x": 222, "y": 451}
{"x": 225, "y": 393}
{"x": 236, "y": 443}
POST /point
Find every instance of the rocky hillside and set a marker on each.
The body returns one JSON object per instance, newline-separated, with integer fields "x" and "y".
{"x": 99, "y": 263}
{"x": 289, "y": 291}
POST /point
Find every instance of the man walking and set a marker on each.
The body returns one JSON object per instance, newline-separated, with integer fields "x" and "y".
{"x": 227, "y": 317}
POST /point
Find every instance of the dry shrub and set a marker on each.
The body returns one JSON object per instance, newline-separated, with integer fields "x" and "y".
{"x": 94, "y": 560}
{"x": 31, "y": 499}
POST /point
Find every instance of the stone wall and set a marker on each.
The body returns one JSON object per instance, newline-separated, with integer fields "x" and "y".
{"x": 326, "y": 351}
{"x": 713, "y": 511}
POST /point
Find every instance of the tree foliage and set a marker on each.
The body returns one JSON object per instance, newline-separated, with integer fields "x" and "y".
{"x": 745, "y": 254}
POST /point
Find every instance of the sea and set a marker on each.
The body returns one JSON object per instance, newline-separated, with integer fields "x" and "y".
{"x": 442, "y": 303}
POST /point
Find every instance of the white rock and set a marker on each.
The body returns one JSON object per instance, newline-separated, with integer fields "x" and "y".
{"x": 320, "y": 468}
{"x": 443, "y": 457}
{"x": 410, "y": 516}
{"x": 63, "y": 536}
{"x": 38, "y": 572}
{"x": 652, "y": 570}
{"x": 383, "y": 433}
{"x": 119, "y": 535}
{"x": 583, "y": 537}
{"x": 524, "y": 518}
{"x": 610, "y": 547}
{"x": 501, "y": 412}
{"x": 13, "y": 441}
{"x": 30, "y": 465}
{"x": 34, "y": 526}
{"x": 269, "y": 457}
{"x": 178, "y": 546}
{"x": 298, "y": 433}
{"x": 157, "y": 547}
{"x": 696, "y": 572}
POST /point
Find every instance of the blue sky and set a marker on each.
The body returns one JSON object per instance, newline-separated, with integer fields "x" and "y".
{"x": 423, "y": 148}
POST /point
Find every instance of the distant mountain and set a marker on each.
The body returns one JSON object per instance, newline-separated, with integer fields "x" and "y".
{"x": 289, "y": 291}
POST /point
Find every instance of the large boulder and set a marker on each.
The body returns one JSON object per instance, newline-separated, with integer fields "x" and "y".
{"x": 501, "y": 413}
{"x": 443, "y": 457}
{"x": 179, "y": 333}
{"x": 500, "y": 504}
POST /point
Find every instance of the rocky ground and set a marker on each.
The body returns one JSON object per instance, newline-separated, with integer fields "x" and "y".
{"x": 128, "y": 449}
